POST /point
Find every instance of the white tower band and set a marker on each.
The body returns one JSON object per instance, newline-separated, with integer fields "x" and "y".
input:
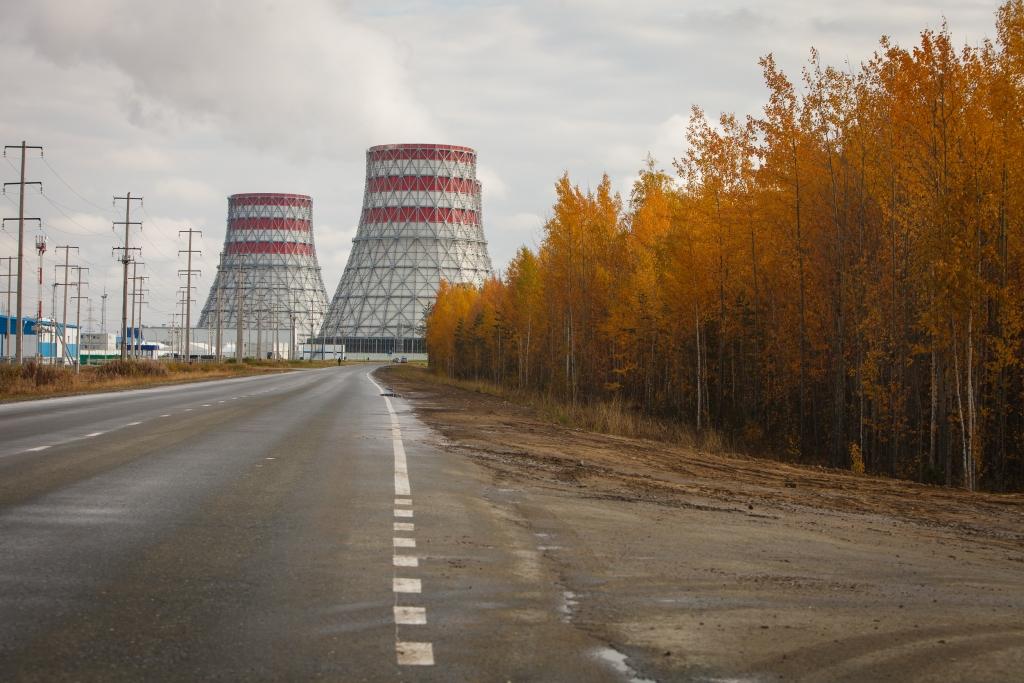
{"x": 421, "y": 223}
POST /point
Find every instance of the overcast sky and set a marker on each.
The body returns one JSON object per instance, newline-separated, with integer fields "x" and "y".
{"x": 187, "y": 102}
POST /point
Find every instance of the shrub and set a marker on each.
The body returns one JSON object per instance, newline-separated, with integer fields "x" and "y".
{"x": 43, "y": 375}
{"x": 131, "y": 368}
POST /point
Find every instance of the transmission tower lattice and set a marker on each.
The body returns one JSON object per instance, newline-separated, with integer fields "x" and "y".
{"x": 420, "y": 224}
{"x": 270, "y": 260}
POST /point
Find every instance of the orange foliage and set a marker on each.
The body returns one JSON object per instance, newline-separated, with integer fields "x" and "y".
{"x": 843, "y": 274}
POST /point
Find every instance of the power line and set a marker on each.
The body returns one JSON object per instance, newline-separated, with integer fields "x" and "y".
{"x": 73, "y": 190}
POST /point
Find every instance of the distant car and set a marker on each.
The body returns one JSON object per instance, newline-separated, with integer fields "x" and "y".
{"x": 403, "y": 360}
{"x": 395, "y": 360}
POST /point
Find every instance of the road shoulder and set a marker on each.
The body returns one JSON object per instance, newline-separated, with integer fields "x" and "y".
{"x": 698, "y": 564}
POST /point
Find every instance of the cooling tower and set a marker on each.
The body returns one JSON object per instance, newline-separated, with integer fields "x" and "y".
{"x": 268, "y": 271}
{"x": 421, "y": 223}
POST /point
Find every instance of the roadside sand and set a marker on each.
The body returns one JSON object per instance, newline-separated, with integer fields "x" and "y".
{"x": 709, "y": 567}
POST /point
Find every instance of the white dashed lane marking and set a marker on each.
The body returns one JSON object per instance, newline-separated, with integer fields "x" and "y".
{"x": 36, "y": 449}
{"x": 410, "y": 615}
{"x": 132, "y": 424}
{"x": 407, "y": 653}
{"x": 415, "y": 654}
{"x": 406, "y": 585}
{"x": 166, "y": 415}
{"x": 89, "y": 436}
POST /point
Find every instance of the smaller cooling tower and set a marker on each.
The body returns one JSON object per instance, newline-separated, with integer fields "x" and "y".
{"x": 268, "y": 270}
{"x": 421, "y": 223}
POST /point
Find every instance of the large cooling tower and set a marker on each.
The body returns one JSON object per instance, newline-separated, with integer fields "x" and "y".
{"x": 421, "y": 223}
{"x": 270, "y": 261}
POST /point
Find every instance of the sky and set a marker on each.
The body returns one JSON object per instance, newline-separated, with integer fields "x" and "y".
{"x": 185, "y": 103}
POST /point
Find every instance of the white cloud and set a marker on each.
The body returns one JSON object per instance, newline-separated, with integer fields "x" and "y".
{"x": 189, "y": 102}
{"x": 305, "y": 78}
{"x": 185, "y": 190}
{"x": 493, "y": 186}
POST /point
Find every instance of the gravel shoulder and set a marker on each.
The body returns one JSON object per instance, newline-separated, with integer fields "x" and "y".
{"x": 700, "y": 566}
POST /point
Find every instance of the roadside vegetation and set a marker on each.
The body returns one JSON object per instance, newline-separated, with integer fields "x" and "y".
{"x": 38, "y": 380}
{"x": 605, "y": 417}
{"x": 838, "y": 280}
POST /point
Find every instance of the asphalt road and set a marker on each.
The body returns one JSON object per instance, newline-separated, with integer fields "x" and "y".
{"x": 258, "y": 528}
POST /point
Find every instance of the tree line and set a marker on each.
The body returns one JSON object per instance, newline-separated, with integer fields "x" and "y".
{"x": 837, "y": 280}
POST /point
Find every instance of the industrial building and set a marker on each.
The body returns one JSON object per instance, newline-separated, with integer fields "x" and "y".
{"x": 44, "y": 339}
{"x": 268, "y": 292}
{"x": 420, "y": 223}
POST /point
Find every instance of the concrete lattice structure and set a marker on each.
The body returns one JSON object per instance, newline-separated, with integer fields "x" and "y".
{"x": 268, "y": 272}
{"x": 421, "y": 223}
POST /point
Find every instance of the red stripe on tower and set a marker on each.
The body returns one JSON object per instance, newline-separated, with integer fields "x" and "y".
{"x": 465, "y": 155}
{"x": 296, "y": 224}
{"x": 283, "y": 248}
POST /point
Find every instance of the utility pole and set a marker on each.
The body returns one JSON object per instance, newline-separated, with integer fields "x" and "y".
{"x": 53, "y": 315}
{"x": 185, "y": 303}
{"x": 125, "y": 260}
{"x": 7, "y": 312}
{"x": 188, "y": 286}
{"x": 78, "y": 318}
{"x": 103, "y": 312}
{"x": 64, "y": 317}
{"x": 140, "y": 293}
{"x": 134, "y": 278}
{"x": 19, "y": 344}
{"x": 220, "y": 320}
{"x": 138, "y": 296}
{"x": 238, "y": 314}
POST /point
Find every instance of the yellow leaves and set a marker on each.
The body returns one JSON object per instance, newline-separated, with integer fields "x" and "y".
{"x": 797, "y": 282}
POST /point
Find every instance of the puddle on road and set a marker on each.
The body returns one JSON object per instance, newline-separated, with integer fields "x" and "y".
{"x": 617, "y": 661}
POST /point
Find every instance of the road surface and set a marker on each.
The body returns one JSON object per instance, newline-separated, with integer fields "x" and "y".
{"x": 291, "y": 527}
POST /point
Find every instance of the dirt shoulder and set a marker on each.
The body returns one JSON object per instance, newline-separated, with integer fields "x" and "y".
{"x": 699, "y": 565}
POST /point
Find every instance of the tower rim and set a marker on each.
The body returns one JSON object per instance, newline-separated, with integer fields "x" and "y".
{"x": 421, "y": 145}
{"x": 276, "y": 195}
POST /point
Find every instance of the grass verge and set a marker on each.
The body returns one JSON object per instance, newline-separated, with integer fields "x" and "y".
{"x": 36, "y": 380}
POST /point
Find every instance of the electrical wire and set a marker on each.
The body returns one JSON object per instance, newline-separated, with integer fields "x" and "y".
{"x": 73, "y": 190}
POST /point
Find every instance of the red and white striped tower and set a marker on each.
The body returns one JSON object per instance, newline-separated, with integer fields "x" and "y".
{"x": 269, "y": 260}
{"x": 421, "y": 223}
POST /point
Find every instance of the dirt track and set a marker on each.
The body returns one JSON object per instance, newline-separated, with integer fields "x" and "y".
{"x": 701, "y": 566}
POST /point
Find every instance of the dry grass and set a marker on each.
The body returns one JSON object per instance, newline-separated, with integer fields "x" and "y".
{"x": 605, "y": 417}
{"x": 36, "y": 380}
